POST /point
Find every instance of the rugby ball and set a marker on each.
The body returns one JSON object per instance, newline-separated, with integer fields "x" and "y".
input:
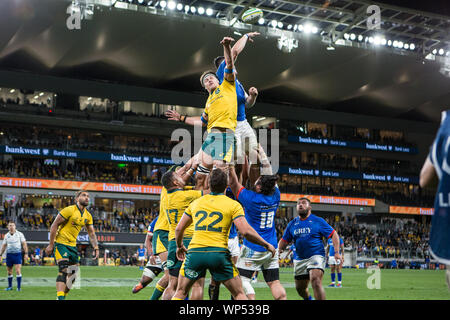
{"x": 252, "y": 15}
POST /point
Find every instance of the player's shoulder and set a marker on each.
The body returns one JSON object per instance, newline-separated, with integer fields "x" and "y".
{"x": 197, "y": 201}
{"x": 293, "y": 221}
{"x": 249, "y": 192}
{"x": 194, "y": 193}
{"x": 228, "y": 202}
{"x": 88, "y": 213}
{"x": 316, "y": 218}
{"x": 69, "y": 208}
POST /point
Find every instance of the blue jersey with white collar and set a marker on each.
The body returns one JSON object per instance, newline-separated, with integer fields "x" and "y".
{"x": 141, "y": 252}
{"x": 240, "y": 92}
{"x": 307, "y": 236}
{"x": 440, "y": 222}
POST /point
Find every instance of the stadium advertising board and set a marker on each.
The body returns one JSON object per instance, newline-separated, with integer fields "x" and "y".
{"x": 411, "y": 210}
{"x": 85, "y": 155}
{"x": 78, "y": 185}
{"x": 83, "y": 237}
{"x": 290, "y": 197}
{"x": 148, "y": 189}
{"x": 352, "y": 144}
{"x": 348, "y": 175}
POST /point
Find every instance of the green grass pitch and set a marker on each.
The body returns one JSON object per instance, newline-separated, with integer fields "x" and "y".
{"x": 115, "y": 283}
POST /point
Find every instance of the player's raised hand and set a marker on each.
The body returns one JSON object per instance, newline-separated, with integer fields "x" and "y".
{"x": 181, "y": 253}
{"x": 253, "y": 91}
{"x": 173, "y": 115}
{"x": 226, "y": 41}
{"x": 250, "y": 35}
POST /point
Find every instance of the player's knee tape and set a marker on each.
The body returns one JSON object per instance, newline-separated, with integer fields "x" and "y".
{"x": 152, "y": 271}
{"x": 203, "y": 170}
{"x": 248, "y": 289}
{"x": 62, "y": 271}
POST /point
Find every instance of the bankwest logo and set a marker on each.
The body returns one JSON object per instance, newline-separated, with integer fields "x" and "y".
{"x": 124, "y": 157}
{"x": 22, "y": 150}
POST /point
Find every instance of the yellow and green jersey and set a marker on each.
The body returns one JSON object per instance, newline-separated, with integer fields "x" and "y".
{"x": 221, "y": 107}
{"x": 162, "y": 223}
{"x": 177, "y": 202}
{"x": 212, "y": 216}
{"x": 75, "y": 220}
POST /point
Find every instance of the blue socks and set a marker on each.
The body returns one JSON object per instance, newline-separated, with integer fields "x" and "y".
{"x": 19, "y": 281}
{"x": 333, "y": 277}
{"x": 10, "y": 279}
{"x": 339, "y": 276}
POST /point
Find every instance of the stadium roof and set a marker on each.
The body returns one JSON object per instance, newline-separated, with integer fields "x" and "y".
{"x": 147, "y": 45}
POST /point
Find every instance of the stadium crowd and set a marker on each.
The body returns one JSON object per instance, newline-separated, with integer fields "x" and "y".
{"x": 387, "y": 238}
{"x": 72, "y": 139}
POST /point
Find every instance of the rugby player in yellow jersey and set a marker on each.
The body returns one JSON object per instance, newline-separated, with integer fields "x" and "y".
{"x": 160, "y": 242}
{"x": 63, "y": 241}
{"x": 157, "y": 253}
{"x": 219, "y": 116}
{"x": 212, "y": 216}
{"x": 177, "y": 202}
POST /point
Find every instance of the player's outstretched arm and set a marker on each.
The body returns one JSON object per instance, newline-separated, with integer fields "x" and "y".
{"x": 53, "y": 229}
{"x": 173, "y": 115}
{"x": 93, "y": 239}
{"x": 251, "y": 235}
{"x": 240, "y": 44}
{"x": 233, "y": 180}
{"x": 229, "y": 74}
{"x": 428, "y": 176}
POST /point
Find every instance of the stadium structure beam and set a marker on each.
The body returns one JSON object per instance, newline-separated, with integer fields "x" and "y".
{"x": 358, "y": 14}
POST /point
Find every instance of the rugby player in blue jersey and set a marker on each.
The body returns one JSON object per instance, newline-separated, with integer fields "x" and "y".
{"x": 260, "y": 206}
{"x": 436, "y": 171}
{"x": 335, "y": 265}
{"x": 306, "y": 232}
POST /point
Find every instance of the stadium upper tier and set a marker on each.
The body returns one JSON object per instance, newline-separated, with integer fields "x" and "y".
{"x": 141, "y": 113}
